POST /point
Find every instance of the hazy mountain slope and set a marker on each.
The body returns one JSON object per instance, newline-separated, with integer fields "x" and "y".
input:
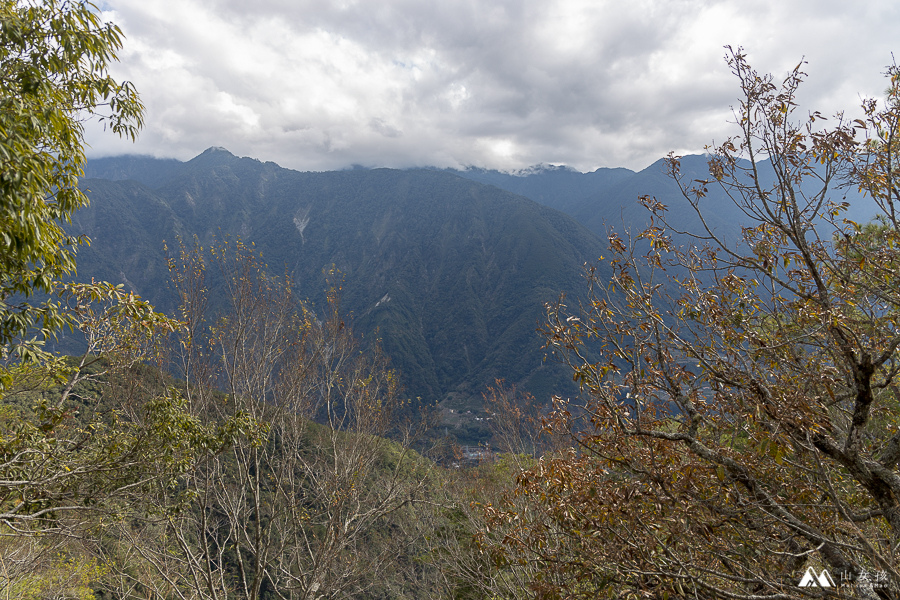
{"x": 126, "y": 223}
{"x": 610, "y": 197}
{"x": 450, "y": 273}
{"x": 143, "y": 169}
{"x": 561, "y": 188}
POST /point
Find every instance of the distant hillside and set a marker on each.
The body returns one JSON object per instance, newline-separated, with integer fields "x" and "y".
{"x": 449, "y": 273}
{"x": 610, "y": 196}
{"x": 143, "y": 169}
{"x": 450, "y": 269}
{"x": 561, "y": 188}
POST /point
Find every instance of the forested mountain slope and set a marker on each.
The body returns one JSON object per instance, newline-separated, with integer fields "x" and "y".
{"x": 609, "y": 197}
{"x": 450, "y": 274}
{"x": 449, "y": 269}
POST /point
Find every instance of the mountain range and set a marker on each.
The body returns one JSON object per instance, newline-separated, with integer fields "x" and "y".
{"x": 448, "y": 269}
{"x": 450, "y": 274}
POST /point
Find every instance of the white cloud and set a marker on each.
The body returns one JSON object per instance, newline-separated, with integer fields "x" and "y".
{"x": 323, "y": 85}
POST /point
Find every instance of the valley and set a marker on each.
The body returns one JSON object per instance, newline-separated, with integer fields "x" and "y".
{"x": 448, "y": 270}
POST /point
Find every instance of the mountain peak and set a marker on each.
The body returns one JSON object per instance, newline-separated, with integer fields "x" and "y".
{"x": 213, "y": 149}
{"x": 214, "y": 156}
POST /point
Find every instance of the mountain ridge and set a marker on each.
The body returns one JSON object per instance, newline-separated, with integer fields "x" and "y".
{"x": 449, "y": 273}
{"x": 449, "y": 269}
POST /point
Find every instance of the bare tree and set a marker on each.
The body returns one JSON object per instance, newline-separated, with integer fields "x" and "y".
{"x": 741, "y": 422}
{"x": 308, "y": 506}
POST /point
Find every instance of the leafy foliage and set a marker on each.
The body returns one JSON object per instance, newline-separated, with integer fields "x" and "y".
{"x": 34, "y": 569}
{"x": 71, "y": 441}
{"x": 78, "y": 437}
{"x": 54, "y": 57}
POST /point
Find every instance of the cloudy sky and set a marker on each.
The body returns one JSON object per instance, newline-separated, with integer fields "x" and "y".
{"x": 319, "y": 85}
